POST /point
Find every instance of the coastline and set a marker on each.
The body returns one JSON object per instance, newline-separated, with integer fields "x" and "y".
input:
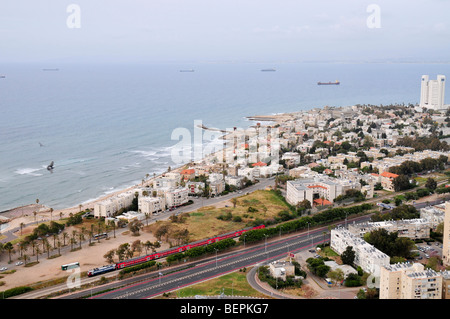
{"x": 25, "y": 214}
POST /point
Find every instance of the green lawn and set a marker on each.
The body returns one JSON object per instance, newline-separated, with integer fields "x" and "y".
{"x": 230, "y": 284}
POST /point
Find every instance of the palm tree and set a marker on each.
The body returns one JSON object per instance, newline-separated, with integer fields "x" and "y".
{"x": 21, "y": 227}
{"x": 59, "y": 244}
{"x": 48, "y": 246}
{"x": 73, "y": 241}
{"x": 23, "y": 245}
{"x": 25, "y": 258}
{"x": 113, "y": 225}
{"x": 65, "y": 235}
{"x": 55, "y": 236}
{"x": 38, "y": 251}
{"x": 80, "y": 237}
{"x": 35, "y": 213}
{"x": 10, "y": 248}
{"x": 51, "y": 213}
{"x": 234, "y": 201}
{"x": 33, "y": 245}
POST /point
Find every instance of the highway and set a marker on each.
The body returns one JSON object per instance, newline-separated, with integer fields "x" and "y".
{"x": 155, "y": 284}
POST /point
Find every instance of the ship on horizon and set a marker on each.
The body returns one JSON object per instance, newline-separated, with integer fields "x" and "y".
{"x": 2, "y": 76}
{"x": 268, "y": 70}
{"x": 329, "y": 83}
{"x": 188, "y": 70}
{"x": 54, "y": 69}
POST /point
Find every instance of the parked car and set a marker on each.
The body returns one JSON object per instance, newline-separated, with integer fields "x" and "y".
{"x": 3, "y": 268}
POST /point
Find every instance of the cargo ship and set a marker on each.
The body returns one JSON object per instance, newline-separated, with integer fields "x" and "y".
{"x": 2, "y": 76}
{"x": 190, "y": 70}
{"x": 329, "y": 83}
{"x": 268, "y": 70}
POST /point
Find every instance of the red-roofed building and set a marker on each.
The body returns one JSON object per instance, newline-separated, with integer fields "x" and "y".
{"x": 322, "y": 202}
{"x": 188, "y": 174}
{"x": 259, "y": 164}
{"x": 387, "y": 180}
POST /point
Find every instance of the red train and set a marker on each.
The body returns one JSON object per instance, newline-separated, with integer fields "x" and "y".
{"x": 165, "y": 253}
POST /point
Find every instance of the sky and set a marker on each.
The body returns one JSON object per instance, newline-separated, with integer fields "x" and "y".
{"x": 224, "y": 30}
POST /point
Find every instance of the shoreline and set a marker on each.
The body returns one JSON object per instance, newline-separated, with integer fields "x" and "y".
{"x": 25, "y": 213}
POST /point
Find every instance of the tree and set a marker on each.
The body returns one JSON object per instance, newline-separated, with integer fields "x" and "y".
{"x": 135, "y": 226}
{"x": 431, "y": 184}
{"x": 401, "y": 183}
{"x": 10, "y": 248}
{"x": 109, "y": 256}
{"x": 348, "y": 256}
{"x": 336, "y": 275}
{"x": 234, "y": 201}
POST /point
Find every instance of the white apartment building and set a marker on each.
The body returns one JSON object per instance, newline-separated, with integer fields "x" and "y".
{"x": 234, "y": 181}
{"x": 310, "y": 189}
{"x": 176, "y": 196}
{"x": 317, "y": 187}
{"x": 167, "y": 180}
{"x": 151, "y": 205}
{"x": 409, "y": 281}
{"x": 410, "y": 228}
{"x": 433, "y": 215}
{"x": 432, "y": 93}
{"x": 367, "y": 257}
{"x": 195, "y": 188}
{"x": 110, "y": 206}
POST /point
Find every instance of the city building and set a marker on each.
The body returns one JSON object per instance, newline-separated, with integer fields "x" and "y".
{"x": 281, "y": 269}
{"x": 368, "y": 257}
{"x": 317, "y": 187}
{"x": 176, "y": 197}
{"x": 151, "y": 205}
{"x": 387, "y": 181}
{"x": 432, "y": 93}
{"x": 111, "y": 206}
{"x": 409, "y": 281}
{"x": 409, "y": 228}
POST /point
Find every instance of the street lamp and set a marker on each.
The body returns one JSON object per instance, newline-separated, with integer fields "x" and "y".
{"x": 265, "y": 245}
{"x": 216, "y": 256}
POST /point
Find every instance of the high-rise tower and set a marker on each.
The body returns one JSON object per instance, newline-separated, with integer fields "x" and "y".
{"x": 432, "y": 93}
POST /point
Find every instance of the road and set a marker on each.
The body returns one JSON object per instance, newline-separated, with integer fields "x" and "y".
{"x": 154, "y": 284}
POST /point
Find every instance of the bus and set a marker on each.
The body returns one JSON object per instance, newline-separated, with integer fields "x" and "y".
{"x": 100, "y": 236}
{"x": 70, "y": 266}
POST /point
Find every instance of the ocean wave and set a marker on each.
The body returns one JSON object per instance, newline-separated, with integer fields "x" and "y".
{"x": 28, "y": 171}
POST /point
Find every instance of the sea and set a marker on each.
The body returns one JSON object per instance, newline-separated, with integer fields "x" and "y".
{"x": 107, "y": 127}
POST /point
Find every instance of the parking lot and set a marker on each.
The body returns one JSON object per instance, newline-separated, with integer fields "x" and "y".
{"x": 427, "y": 250}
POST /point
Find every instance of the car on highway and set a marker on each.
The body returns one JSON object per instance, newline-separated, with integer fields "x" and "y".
{"x": 3, "y": 268}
